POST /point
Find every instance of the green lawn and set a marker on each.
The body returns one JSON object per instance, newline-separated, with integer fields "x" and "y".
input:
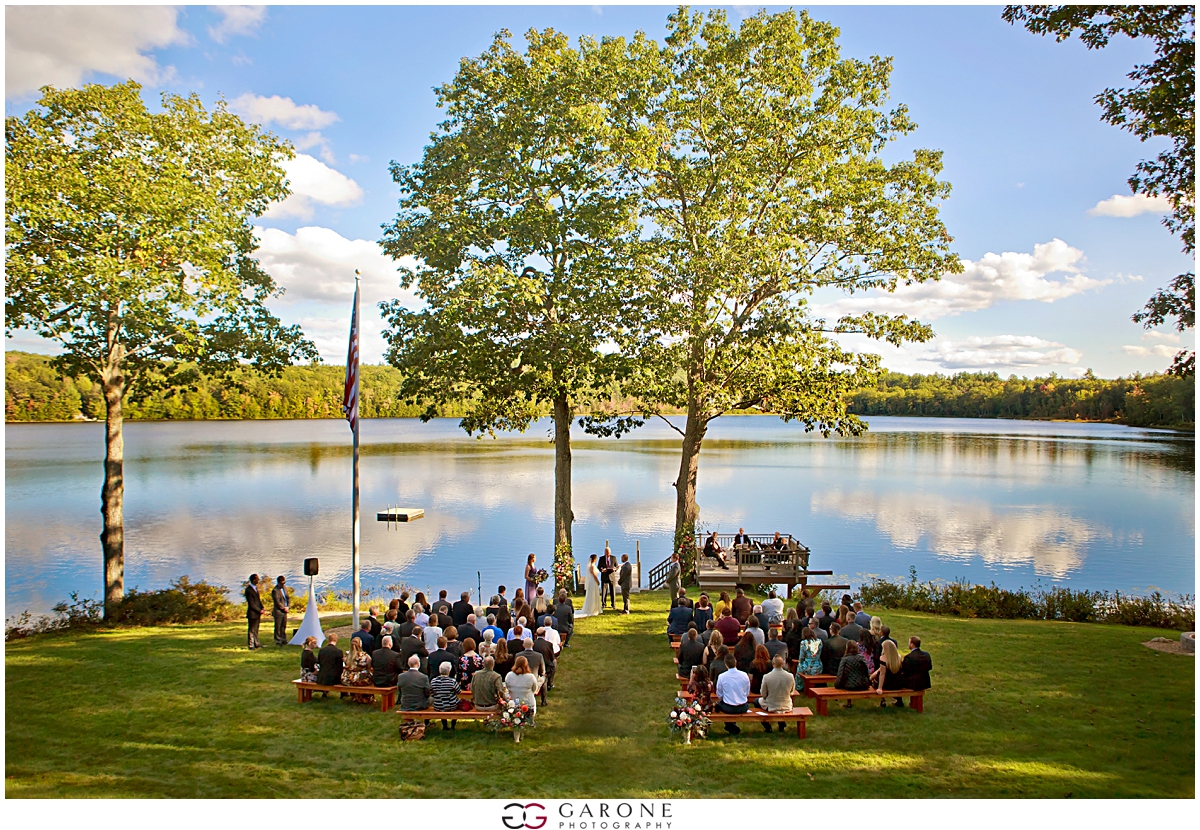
{"x": 1017, "y": 709}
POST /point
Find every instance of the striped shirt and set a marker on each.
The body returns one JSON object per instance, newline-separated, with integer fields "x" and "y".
{"x": 445, "y": 693}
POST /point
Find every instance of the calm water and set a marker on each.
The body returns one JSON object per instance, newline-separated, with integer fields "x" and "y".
{"x": 1089, "y": 505}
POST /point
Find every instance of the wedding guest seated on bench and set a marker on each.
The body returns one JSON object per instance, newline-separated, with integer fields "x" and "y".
{"x": 691, "y": 653}
{"x": 743, "y": 607}
{"x": 777, "y": 688}
{"x": 487, "y": 687}
{"x": 702, "y": 612}
{"x": 733, "y": 693}
{"x": 385, "y": 665}
{"x": 444, "y": 691}
{"x": 772, "y": 611}
{"x": 308, "y": 661}
{"x": 888, "y": 676}
{"x": 808, "y": 653}
{"x": 755, "y": 630}
{"x": 414, "y": 687}
{"x": 678, "y": 620}
{"x": 775, "y": 646}
{"x": 729, "y": 627}
{"x": 702, "y": 689}
{"x": 852, "y": 674}
{"x": 330, "y": 662}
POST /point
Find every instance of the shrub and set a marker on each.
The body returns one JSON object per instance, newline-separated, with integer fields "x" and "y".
{"x": 959, "y": 598}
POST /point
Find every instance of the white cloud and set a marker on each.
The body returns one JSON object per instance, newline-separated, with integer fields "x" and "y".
{"x": 983, "y": 283}
{"x": 1126, "y": 206}
{"x": 1150, "y": 351}
{"x": 315, "y": 139}
{"x": 316, "y": 265}
{"x": 1160, "y": 337}
{"x": 1005, "y": 351}
{"x": 283, "y": 111}
{"x": 314, "y": 183}
{"x": 238, "y": 20}
{"x": 63, "y": 46}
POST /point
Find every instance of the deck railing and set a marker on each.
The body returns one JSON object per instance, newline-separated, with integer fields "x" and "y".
{"x": 788, "y": 565}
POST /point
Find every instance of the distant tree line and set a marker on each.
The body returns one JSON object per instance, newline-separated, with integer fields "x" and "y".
{"x": 1138, "y": 400}
{"x": 35, "y": 391}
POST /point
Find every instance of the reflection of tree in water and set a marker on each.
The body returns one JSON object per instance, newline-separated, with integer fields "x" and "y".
{"x": 1053, "y": 542}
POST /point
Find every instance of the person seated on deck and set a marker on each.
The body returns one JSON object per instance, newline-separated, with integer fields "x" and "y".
{"x": 867, "y": 648}
{"x": 330, "y": 662}
{"x": 504, "y": 662}
{"x": 916, "y": 666}
{"x": 691, "y": 653}
{"x": 834, "y": 649}
{"x": 470, "y": 662}
{"x": 420, "y": 618}
{"x": 743, "y": 652}
{"x": 760, "y": 666}
{"x": 702, "y": 688}
{"x": 889, "y": 676}
{"x": 385, "y": 664}
{"x": 743, "y": 607}
{"x": 852, "y": 674}
{"x": 414, "y": 687}
{"x": 431, "y": 633}
{"x": 308, "y": 661}
{"x": 772, "y": 608}
{"x": 444, "y": 691}
{"x": 860, "y": 616}
{"x": 721, "y": 604}
{"x": 808, "y": 654}
{"x": 702, "y": 612}
{"x": 729, "y": 627}
{"x": 755, "y": 630}
{"x": 733, "y": 693}
{"x": 716, "y": 666}
{"x": 777, "y": 546}
{"x": 776, "y": 688}
{"x": 713, "y": 550}
{"x": 366, "y": 642}
{"x": 775, "y": 646}
{"x": 678, "y": 620}
{"x": 741, "y": 539}
{"x": 487, "y": 687}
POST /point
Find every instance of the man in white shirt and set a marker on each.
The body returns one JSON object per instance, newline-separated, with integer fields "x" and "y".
{"x": 772, "y": 609}
{"x": 733, "y": 692}
{"x": 553, "y": 637}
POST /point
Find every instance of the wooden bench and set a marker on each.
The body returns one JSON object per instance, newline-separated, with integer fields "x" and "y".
{"x": 809, "y": 681}
{"x": 916, "y": 699}
{"x": 432, "y": 714}
{"x": 387, "y": 696}
{"x": 797, "y": 716}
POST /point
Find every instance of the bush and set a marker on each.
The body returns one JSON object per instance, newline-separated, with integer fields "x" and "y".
{"x": 962, "y": 599}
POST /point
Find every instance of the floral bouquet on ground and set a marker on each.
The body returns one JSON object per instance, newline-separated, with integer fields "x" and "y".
{"x": 539, "y": 576}
{"x": 512, "y": 716}
{"x": 688, "y": 717}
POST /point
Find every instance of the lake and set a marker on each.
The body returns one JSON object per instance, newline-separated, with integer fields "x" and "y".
{"x": 1094, "y": 506}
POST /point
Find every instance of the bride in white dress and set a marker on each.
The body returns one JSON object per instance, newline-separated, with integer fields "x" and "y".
{"x": 591, "y": 590}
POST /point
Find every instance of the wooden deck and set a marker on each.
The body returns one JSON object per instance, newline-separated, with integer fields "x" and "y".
{"x": 749, "y": 566}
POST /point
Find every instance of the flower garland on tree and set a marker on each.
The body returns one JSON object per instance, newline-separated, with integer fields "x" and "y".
{"x": 564, "y": 569}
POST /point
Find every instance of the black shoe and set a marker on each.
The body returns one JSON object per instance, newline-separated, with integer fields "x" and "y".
{"x": 900, "y": 702}
{"x": 733, "y": 729}
{"x": 766, "y": 727}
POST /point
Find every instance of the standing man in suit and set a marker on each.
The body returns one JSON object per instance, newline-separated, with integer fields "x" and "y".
{"x": 564, "y": 618}
{"x": 254, "y": 610}
{"x": 674, "y": 576}
{"x": 279, "y": 613}
{"x": 608, "y": 567}
{"x": 625, "y": 580}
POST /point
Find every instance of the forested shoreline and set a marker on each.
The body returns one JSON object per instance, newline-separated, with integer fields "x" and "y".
{"x": 34, "y": 391}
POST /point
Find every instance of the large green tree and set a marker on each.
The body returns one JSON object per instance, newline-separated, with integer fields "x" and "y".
{"x": 766, "y": 183}
{"x": 1160, "y": 104}
{"x": 129, "y": 242}
{"x": 520, "y": 228}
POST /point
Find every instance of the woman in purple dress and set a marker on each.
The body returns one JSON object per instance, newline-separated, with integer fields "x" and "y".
{"x": 530, "y": 585}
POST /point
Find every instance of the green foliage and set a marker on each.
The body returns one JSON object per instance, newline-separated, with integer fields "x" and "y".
{"x": 1160, "y": 104}
{"x": 962, "y": 599}
{"x": 184, "y": 602}
{"x": 1146, "y": 401}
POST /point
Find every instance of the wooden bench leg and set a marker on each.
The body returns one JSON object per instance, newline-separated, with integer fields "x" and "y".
{"x": 801, "y": 732}
{"x": 822, "y": 706}
{"x": 917, "y": 702}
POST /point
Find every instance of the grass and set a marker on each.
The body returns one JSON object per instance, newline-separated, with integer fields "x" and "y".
{"x": 1018, "y": 709}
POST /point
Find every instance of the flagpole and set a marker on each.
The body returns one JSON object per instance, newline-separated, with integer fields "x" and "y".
{"x": 357, "y": 527}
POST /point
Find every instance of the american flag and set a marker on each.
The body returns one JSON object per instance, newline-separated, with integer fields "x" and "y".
{"x": 350, "y": 396}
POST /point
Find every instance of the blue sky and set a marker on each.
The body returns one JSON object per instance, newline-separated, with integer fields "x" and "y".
{"x": 1054, "y": 264}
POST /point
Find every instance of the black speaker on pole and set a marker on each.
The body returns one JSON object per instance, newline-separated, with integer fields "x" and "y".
{"x": 310, "y": 567}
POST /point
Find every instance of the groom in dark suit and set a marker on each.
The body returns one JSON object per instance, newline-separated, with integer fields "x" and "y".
{"x": 608, "y": 566}
{"x": 254, "y": 612}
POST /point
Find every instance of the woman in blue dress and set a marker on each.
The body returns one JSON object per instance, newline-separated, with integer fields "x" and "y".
{"x": 809, "y": 661}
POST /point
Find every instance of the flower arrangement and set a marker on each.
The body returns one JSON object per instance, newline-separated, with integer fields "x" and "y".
{"x": 513, "y": 716}
{"x": 564, "y": 569}
{"x": 539, "y": 576}
{"x": 688, "y": 717}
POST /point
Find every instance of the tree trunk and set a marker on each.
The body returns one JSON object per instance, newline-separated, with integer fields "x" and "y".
{"x": 562, "y": 472}
{"x": 686, "y": 509}
{"x": 112, "y": 494}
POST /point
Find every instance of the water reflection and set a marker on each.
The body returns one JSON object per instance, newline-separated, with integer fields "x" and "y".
{"x": 1054, "y": 543}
